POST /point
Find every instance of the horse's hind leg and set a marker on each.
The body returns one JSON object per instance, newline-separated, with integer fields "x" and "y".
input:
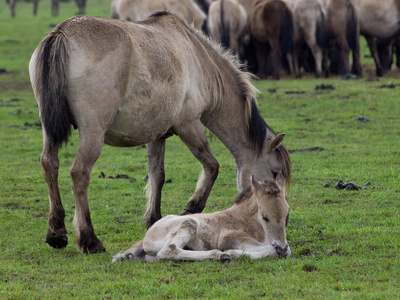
{"x": 195, "y": 139}
{"x": 155, "y": 158}
{"x": 90, "y": 145}
{"x": 56, "y": 234}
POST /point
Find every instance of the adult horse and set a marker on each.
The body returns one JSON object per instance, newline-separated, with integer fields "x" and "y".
{"x": 255, "y": 226}
{"x": 343, "y": 29}
{"x": 128, "y": 84}
{"x": 227, "y": 23}
{"x": 309, "y": 19}
{"x": 271, "y": 28}
{"x": 139, "y": 10}
{"x": 378, "y": 20}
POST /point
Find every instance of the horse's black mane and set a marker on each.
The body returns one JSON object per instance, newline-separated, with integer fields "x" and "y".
{"x": 259, "y": 131}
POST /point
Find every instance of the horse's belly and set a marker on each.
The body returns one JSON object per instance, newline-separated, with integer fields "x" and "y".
{"x": 134, "y": 127}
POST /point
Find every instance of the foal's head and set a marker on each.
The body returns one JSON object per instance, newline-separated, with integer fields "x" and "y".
{"x": 273, "y": 211}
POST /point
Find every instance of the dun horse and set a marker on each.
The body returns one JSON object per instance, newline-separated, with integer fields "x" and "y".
{"x": 271, "y": 27}
{"x": 309, "y": 29}
{"x": 343, "y": 29}
{"x": 255, "y": 226}
{"x": 128, "y": 84}
{"x": 139, "y": 10}
{"x": 378, "y": 20}
{"x": 227, "y": 21}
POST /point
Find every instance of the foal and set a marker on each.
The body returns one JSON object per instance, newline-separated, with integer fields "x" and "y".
{"x": 255, "y": 226}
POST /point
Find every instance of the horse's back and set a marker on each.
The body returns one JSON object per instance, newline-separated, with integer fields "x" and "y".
{"x": 123, "y": 74}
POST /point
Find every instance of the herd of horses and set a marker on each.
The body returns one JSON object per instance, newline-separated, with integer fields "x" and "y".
{"x": 126, "y": 84}
{"x": 269, "y": 35}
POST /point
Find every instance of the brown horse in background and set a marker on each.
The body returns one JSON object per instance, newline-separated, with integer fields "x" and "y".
{"x": 271, "y": 28}
{"x": 128, "y": 84}
{"x": 343, "y": 31}
{"x": 139, "y": 10}
{"x": 227, "y": 23}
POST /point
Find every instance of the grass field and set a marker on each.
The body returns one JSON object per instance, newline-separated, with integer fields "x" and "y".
{"x": 345, "y": 244}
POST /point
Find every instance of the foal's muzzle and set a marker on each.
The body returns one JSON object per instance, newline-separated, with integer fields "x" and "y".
{"x": 282, "y": 252}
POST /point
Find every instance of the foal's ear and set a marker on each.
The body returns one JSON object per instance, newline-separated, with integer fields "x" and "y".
{"x": 276, "y": 142}
{"x": 279, "y": 178}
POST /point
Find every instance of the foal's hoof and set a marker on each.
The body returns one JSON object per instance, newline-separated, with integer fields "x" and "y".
{"x": 225, "y": 258}
{"x": 55, "y": 240}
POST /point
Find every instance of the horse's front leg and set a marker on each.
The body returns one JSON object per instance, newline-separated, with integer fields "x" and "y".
{"x": 195, "y": 139}
{"x": 90, "y": 146}
{"x": 156, "y": 173}
{"x": 56, "y": 234}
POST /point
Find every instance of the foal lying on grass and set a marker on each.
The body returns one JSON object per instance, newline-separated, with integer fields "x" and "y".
{"x": 255, "y": 226}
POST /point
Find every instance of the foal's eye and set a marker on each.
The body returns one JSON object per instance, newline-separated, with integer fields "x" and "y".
{"x": 265, "y": 219}
{"x": 287, "y": 220}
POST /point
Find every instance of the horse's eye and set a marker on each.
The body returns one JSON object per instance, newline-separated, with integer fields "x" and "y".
{"x": 265, "y": 219}
{"x": 287, "y": 220}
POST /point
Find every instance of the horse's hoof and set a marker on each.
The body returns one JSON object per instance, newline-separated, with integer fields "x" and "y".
{"x": 225, "y": 258}
{"x": 94, "y": 248}
{"x": 57, "y": 241}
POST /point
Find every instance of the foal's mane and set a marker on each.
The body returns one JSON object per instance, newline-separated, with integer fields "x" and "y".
{"x": 257, "y": 129}
{"x": 270, "y": 187}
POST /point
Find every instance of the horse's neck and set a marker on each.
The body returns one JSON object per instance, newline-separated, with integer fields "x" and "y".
{"x": 235, "y": 138}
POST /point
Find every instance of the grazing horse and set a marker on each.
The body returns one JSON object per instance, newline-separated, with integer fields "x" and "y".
{"x": 309, "y": 19}
{"x": 139, "y": 10}
{"x": 128, "y": 84}
{"x": 378, "y": 19}
{"x": 343, "y": 30}
{"x": 255, "y": 226}
{"x": 227, "y": 23}
{"x": 271, "y": 28}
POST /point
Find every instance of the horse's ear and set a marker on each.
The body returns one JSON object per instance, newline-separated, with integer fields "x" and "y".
{"x": 276, "y": 142}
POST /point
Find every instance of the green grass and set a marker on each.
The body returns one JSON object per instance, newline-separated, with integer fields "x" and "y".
{"x": 345, "y": 244}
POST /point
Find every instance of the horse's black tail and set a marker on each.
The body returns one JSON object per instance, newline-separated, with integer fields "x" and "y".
{"x": 320, "y": 33}
{"x": 286, "y": 34}
{"x": 351, "y": 29}
{"x": 51, "y": 88}
{"x": 224, "y": 28}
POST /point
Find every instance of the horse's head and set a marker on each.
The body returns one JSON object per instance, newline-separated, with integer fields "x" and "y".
{"x": 271, "y": 159}
{"x": 273, "y": 211}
